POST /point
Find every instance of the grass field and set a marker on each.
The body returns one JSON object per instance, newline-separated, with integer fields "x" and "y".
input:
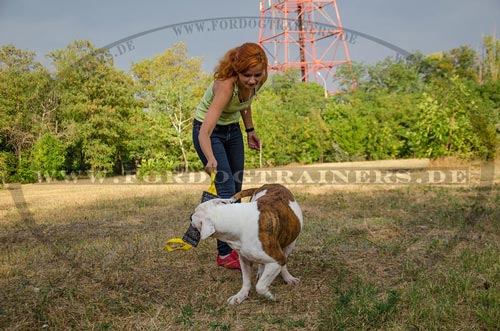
{"x": 92, "y": 257}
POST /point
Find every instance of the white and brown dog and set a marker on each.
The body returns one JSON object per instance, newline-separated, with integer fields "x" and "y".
{"x": 263, "y": 231}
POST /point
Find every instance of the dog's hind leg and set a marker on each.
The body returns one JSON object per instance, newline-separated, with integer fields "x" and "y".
{"x": 271, "y": 270}
{"x": 246, "y": 273}
{"x": 287, "y": 277}
{"x": 285, "y": 274}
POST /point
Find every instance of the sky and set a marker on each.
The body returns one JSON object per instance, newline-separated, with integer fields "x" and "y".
{"x": 428, "y": 26}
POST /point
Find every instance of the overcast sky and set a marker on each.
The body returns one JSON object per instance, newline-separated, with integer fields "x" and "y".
{"x": 428, "y": 26}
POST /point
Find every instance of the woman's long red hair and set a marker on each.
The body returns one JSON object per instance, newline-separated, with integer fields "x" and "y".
{"x": 240, "y": 59}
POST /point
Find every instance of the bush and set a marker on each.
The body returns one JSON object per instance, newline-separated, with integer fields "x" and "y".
{"x": 25, "y": 173}
{"x": 48, "y": 158}
{"x": 153, "y": 168}
{"x": 3, "y": 169}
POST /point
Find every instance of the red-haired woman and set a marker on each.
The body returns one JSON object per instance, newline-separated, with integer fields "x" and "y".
{"x": 217, "y": 137}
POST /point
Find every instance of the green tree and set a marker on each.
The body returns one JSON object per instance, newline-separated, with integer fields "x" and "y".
{"x": 171, "y": 86}
{"x": 288, "y": 118}
{"x": 348, "y": 131}
{"x": 445, "y": 123}
{"x": 370, "y": 125}
{"x": 96, "y": 108}
{"x": 461, "y": 62}
{"x": 490, "y": 69}
{"x": 27, "y": 107}
{"x": 392, "y": 76}
{"x": 24, "y": 105}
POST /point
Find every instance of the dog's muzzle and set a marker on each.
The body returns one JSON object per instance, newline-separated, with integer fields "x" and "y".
{"x": 192, "y": 235}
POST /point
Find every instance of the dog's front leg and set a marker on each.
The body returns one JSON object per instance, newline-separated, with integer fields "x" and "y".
{"x": 260, "y": 271}
{"x": 246, "y": 273}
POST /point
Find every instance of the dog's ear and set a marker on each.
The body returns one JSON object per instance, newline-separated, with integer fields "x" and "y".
{"x": 207, "y": 228}
{"x": 203, "y": 224}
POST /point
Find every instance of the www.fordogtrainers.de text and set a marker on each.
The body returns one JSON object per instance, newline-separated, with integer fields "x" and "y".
{"x": 315, "y": 176}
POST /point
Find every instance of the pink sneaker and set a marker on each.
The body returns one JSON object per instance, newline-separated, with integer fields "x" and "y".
{"x": 231, "y": 261}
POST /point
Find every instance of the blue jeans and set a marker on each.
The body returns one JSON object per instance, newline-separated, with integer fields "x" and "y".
{"x": 228, "y": 149}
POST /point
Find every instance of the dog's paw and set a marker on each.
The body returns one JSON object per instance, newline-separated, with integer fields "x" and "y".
{"x": 264, "y": 291}
{"x": 292, "y": 280}
{"x": 237, "y": 299}
{"x": 269, "y": 296}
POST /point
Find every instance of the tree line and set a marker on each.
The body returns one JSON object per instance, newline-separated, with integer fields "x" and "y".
{"x": 84, "y": 117}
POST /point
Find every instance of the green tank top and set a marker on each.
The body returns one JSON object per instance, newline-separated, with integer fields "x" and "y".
{"x": 230, "y": 114}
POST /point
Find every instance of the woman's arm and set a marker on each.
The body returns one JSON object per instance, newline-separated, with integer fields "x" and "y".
{"x": 253, "y": 138}
{"x": 223, "y": 91}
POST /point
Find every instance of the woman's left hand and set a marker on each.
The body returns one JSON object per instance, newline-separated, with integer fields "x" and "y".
{"x": 253, "y": 140}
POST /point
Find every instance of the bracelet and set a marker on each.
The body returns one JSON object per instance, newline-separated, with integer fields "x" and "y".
{"x": 250, "y": 129}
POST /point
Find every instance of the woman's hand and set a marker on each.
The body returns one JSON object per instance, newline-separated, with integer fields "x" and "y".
{"x": 253, "y": 140}
{"x": 211, "y": 166}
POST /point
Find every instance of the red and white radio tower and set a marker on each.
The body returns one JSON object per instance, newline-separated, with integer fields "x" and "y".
{"x": 306, "y": 35}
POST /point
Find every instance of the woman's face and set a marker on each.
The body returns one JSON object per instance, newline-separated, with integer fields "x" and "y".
{"x": 251, "y": 77}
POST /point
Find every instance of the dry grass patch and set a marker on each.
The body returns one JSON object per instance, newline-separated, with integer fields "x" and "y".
{"x": 90, "y": 257}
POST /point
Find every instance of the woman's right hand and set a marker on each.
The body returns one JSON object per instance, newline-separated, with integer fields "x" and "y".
{"x": 211, "y": 166}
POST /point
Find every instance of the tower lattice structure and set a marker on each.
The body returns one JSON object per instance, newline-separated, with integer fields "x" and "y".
{"x": 305, "y": 35}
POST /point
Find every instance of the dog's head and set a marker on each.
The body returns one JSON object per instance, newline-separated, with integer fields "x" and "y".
{"x": 203, "y": 217}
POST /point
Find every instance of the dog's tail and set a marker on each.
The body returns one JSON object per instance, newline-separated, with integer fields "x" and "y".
{"x": 244, "y": 194}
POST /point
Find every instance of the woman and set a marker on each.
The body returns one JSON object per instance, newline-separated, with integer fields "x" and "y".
{"x": 217, "y": 135}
